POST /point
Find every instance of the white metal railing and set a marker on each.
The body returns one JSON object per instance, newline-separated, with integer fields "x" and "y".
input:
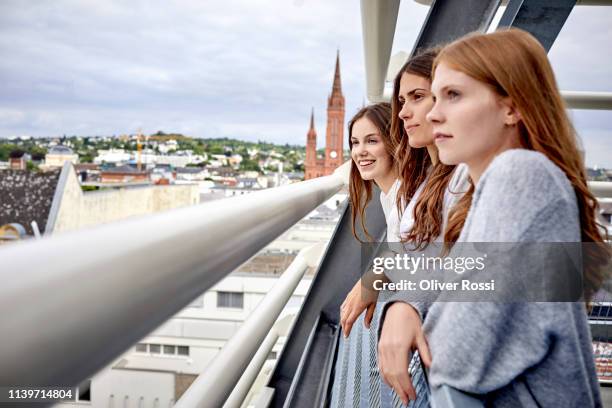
{"x": 213, "y": 387}
{"x": 601, "y": 189}
{"x": 588, "y": 100}
{"x": 73, "y": 302}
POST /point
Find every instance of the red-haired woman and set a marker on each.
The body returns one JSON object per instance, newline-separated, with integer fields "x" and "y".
{"x": 498, "y": 109}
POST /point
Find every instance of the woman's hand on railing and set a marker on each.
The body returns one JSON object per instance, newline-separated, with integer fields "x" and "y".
{"x": 401, "y": 334}
{"x": 359, "y": 299}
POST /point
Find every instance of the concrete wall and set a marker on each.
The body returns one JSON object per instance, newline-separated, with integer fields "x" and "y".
{"x": 129, "y": 388}
{"x": 205, "y": 328}
{"x": 72, "y": 209}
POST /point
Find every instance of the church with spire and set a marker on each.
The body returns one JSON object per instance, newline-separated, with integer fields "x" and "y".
{"x": 334, "y": 134}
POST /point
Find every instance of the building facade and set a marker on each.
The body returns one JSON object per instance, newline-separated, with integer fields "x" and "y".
{"x": 58, "y": 155}
{"x": 334, "y": 134}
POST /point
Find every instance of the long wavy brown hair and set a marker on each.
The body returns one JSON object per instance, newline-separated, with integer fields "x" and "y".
{"x": 514, "y": 64}
{"x": 360, "y": 190}
{"x": 414, "y": 164}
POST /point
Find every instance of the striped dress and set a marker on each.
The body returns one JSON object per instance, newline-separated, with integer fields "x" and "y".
{"x": 357, "y": 381}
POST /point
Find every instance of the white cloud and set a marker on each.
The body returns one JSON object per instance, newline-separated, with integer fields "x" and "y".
{"x": 233, "y": 68}
{"x": 12, "y": 117}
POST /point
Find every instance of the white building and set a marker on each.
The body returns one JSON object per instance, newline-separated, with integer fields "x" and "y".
{"x": 58, "y": 155}
{"x": 116, "y": 156}
{"x": 191, "y": 173}
{"x": 166, "y": 147}
{"x": 179, "y": 160}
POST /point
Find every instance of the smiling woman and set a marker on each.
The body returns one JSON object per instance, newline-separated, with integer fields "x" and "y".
{"x": 372, "y": 150}
{"x": 369, "y": 152}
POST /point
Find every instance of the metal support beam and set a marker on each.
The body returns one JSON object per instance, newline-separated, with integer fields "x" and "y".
{"x": 542, "y": 18}
{"x": 313, "y": 378}
{"x": 378, "y": 19}
{"x": 448, "y": 20}
{"x": 337, "y": 273}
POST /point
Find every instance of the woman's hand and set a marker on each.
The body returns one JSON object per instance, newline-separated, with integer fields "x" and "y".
{"x": 401, "y": 334}
{"x": 359, "y": 299}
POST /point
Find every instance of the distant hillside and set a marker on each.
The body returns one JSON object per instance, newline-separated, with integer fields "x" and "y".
{"x": 164, "y": 137}
{"x": 223, "y": 142}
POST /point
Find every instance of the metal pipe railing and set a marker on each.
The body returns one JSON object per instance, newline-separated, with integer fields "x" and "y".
{"x": 588, "y": 100}
{"x": 215, "y": 384}
{"x": 73, "y": 302}
{"x": 240, "y": 392}
{"x": 378, "y": 19}
{"x": 601, "y": 189}
{"x": 243, "y": 386}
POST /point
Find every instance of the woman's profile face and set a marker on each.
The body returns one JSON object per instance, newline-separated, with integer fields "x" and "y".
{"x": 415, "y": 101}
{"x": 368, "y": 150}
{"x": 468, "y": 118}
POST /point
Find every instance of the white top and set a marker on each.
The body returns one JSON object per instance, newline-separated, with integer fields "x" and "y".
{"x": 389, "y": 207}
{"x": 457, "y": 186}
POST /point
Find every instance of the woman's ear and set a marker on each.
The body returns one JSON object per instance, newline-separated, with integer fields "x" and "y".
{"x": 511, "y": 114}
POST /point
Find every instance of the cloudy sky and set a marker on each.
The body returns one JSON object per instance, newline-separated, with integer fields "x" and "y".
{"x": 237, "y": 68}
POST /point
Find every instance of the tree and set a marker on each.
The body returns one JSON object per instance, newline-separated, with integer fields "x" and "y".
{"x": 86, "y": 158}
{"x": 6, "y": 149}
{"x": 16, "y": 154}
{"x": 249, "y": 165}
{"x": 30, "y": 166}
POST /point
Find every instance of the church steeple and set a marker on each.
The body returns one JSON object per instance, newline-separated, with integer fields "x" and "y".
{"x": 336, "y": 99}
{"x": 337, "y": 87}
{"x": 334, "y": 133}
{"x": 311, "y": 150}
{"x": 312, "y": 129}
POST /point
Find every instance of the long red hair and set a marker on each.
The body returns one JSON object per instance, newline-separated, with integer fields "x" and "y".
{"x": 514, "y": 64}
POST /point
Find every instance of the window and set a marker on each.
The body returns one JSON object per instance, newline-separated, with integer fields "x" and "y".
{"x": 163, "y": 349}
{"x": 230, "y": 299}
{"x": 84, "y": 391}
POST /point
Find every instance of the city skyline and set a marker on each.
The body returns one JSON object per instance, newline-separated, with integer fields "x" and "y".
{"x": 232, "y": 70}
